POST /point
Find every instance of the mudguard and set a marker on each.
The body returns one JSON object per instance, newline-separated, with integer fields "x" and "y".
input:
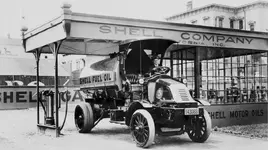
{"x": 146, "y": 104}
{"x": 135, "y": 106}
{"x": 202, "y": 102}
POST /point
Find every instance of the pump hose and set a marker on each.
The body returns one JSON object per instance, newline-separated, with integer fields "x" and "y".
{"x": 40, "y": 101}
{"x": 66, "y": 111}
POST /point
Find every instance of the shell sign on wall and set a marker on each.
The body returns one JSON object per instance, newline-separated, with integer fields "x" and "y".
{"x": 238, "y": 114}
{"x": 25, "y": 97}
{"x": 221, "y": 115}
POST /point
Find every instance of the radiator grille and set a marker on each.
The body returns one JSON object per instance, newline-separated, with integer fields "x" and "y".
{"x": 183, "y": 94}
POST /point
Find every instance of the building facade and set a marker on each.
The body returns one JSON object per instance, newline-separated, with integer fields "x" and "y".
{"x": 246, "y": 17}
{"x": 18, "y": 68}
{"x": 234, "y": 76}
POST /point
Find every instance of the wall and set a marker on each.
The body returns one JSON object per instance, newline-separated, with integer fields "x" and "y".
{"x": 226, "y": 115}
{"x": 222, "y": 12}
{"x": 212, "y": 14}
{"x": 199, "y": 17}
{"x": 12, "y": 48}
{"x": 221, "y": 115}
{"x": 25, "y": 97}
{"x": 251, "y": 14}
{"x": 263, "y": 21}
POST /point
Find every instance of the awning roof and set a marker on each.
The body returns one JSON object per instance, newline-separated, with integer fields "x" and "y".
{"x": 23, "y": 66}
{"x": 100, "y": 35}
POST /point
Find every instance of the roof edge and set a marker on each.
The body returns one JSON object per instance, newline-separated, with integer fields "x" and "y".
{"x": 45, "y": 26}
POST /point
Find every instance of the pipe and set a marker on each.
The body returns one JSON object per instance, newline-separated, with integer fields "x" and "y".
{"x": 37, "y": 58}
{"x": 66, "y": 111}
{"x": 56, "y": 87}
{"x": 245, "y": 16}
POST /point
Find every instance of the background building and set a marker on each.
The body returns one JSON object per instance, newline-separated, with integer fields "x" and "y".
{"x": 233, "y": 78}
{"x": 18, "y": 68}
{"x": 245, "y": 17}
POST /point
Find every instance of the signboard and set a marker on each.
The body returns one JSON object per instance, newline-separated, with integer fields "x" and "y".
{"x": 98, "y": 80}
{"x": 239, "y": 114}
{"x": 119, "y": 32}
{"x": 25, "y": 97}
{"x": 221, "y": 115}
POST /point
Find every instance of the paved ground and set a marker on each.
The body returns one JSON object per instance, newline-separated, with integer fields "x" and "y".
{"x": 18, "y": 132}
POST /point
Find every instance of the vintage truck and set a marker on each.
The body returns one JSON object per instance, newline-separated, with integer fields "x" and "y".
{"x": 120, "y": 87}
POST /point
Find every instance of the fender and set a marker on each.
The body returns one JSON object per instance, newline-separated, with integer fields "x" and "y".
{"x": 202, "y": 102}
{"x": 135, "y": 106}
{"x": 146, "y": 104}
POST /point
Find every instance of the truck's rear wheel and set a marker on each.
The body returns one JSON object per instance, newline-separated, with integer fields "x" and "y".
{"x": 142, "y": 128}
{"x": 83, "y": 116}
{"x": 201, "y": 128}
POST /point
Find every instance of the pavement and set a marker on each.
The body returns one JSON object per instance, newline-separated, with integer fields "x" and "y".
{"x": 18, "y": 131}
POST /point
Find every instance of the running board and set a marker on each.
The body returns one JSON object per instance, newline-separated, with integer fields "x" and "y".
{"x": 170, "y": 131}
{"x": 118, "y": 122}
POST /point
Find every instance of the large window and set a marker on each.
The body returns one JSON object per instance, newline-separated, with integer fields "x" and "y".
{"x": 221, "y": 22}
{"x": 231, "y": 23}
{"x": 206, "y": 20}
{"x": 251, "y": 25}
{"x": 194, "y": 21}
{"x": 226, "y": 76}
{"x": 241, "y": 26}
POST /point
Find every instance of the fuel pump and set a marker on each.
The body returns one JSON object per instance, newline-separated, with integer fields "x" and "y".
{"x": 48, "y": 95}
{"x": 47, "y": 101}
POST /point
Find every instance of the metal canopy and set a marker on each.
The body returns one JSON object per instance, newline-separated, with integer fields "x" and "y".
{"x": 100, "y": 35}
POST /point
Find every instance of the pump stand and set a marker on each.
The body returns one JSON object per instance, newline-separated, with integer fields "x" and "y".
{"x": 50, "y": 123}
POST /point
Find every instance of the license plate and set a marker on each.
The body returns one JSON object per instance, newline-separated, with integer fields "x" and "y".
{"x": 191, "y": 111}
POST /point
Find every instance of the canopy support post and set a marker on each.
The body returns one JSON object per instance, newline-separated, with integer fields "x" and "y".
{"x": 197, "y": 69}
{"x": 171, "y": 64}
{"x": 55, "y": 49}
{"x": 37, "y": 55}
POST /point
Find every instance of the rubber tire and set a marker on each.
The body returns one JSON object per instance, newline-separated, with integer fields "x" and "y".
{"x": 88, "y": 120}
{"x": 207, "y": 131}
{"x": 151, "y": 126}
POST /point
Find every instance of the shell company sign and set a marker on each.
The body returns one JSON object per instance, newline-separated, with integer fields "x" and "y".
{"x": 114, "y": 32}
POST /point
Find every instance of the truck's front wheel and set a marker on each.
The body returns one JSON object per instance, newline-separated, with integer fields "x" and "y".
{"x": 201, "y": 128}
{"x": 142, "y": 128}
{"x": 83, "y": 116}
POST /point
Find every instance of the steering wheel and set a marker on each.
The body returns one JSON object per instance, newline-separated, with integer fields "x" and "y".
{"x": 161, "y": 70}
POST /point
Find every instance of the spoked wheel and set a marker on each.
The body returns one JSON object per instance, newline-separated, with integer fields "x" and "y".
{"x": 142, "y": 128}
{"x": 83, "y": 116}
{"x": 201, "y": 128}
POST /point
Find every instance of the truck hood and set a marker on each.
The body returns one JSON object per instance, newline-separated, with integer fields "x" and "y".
{"x": 179, "y": 91}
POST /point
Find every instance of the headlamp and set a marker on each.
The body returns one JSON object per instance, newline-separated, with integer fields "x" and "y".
{"x": 184, "y": 81}
{"x": 159, "y": 93}
{"x": 141, "y": 80}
